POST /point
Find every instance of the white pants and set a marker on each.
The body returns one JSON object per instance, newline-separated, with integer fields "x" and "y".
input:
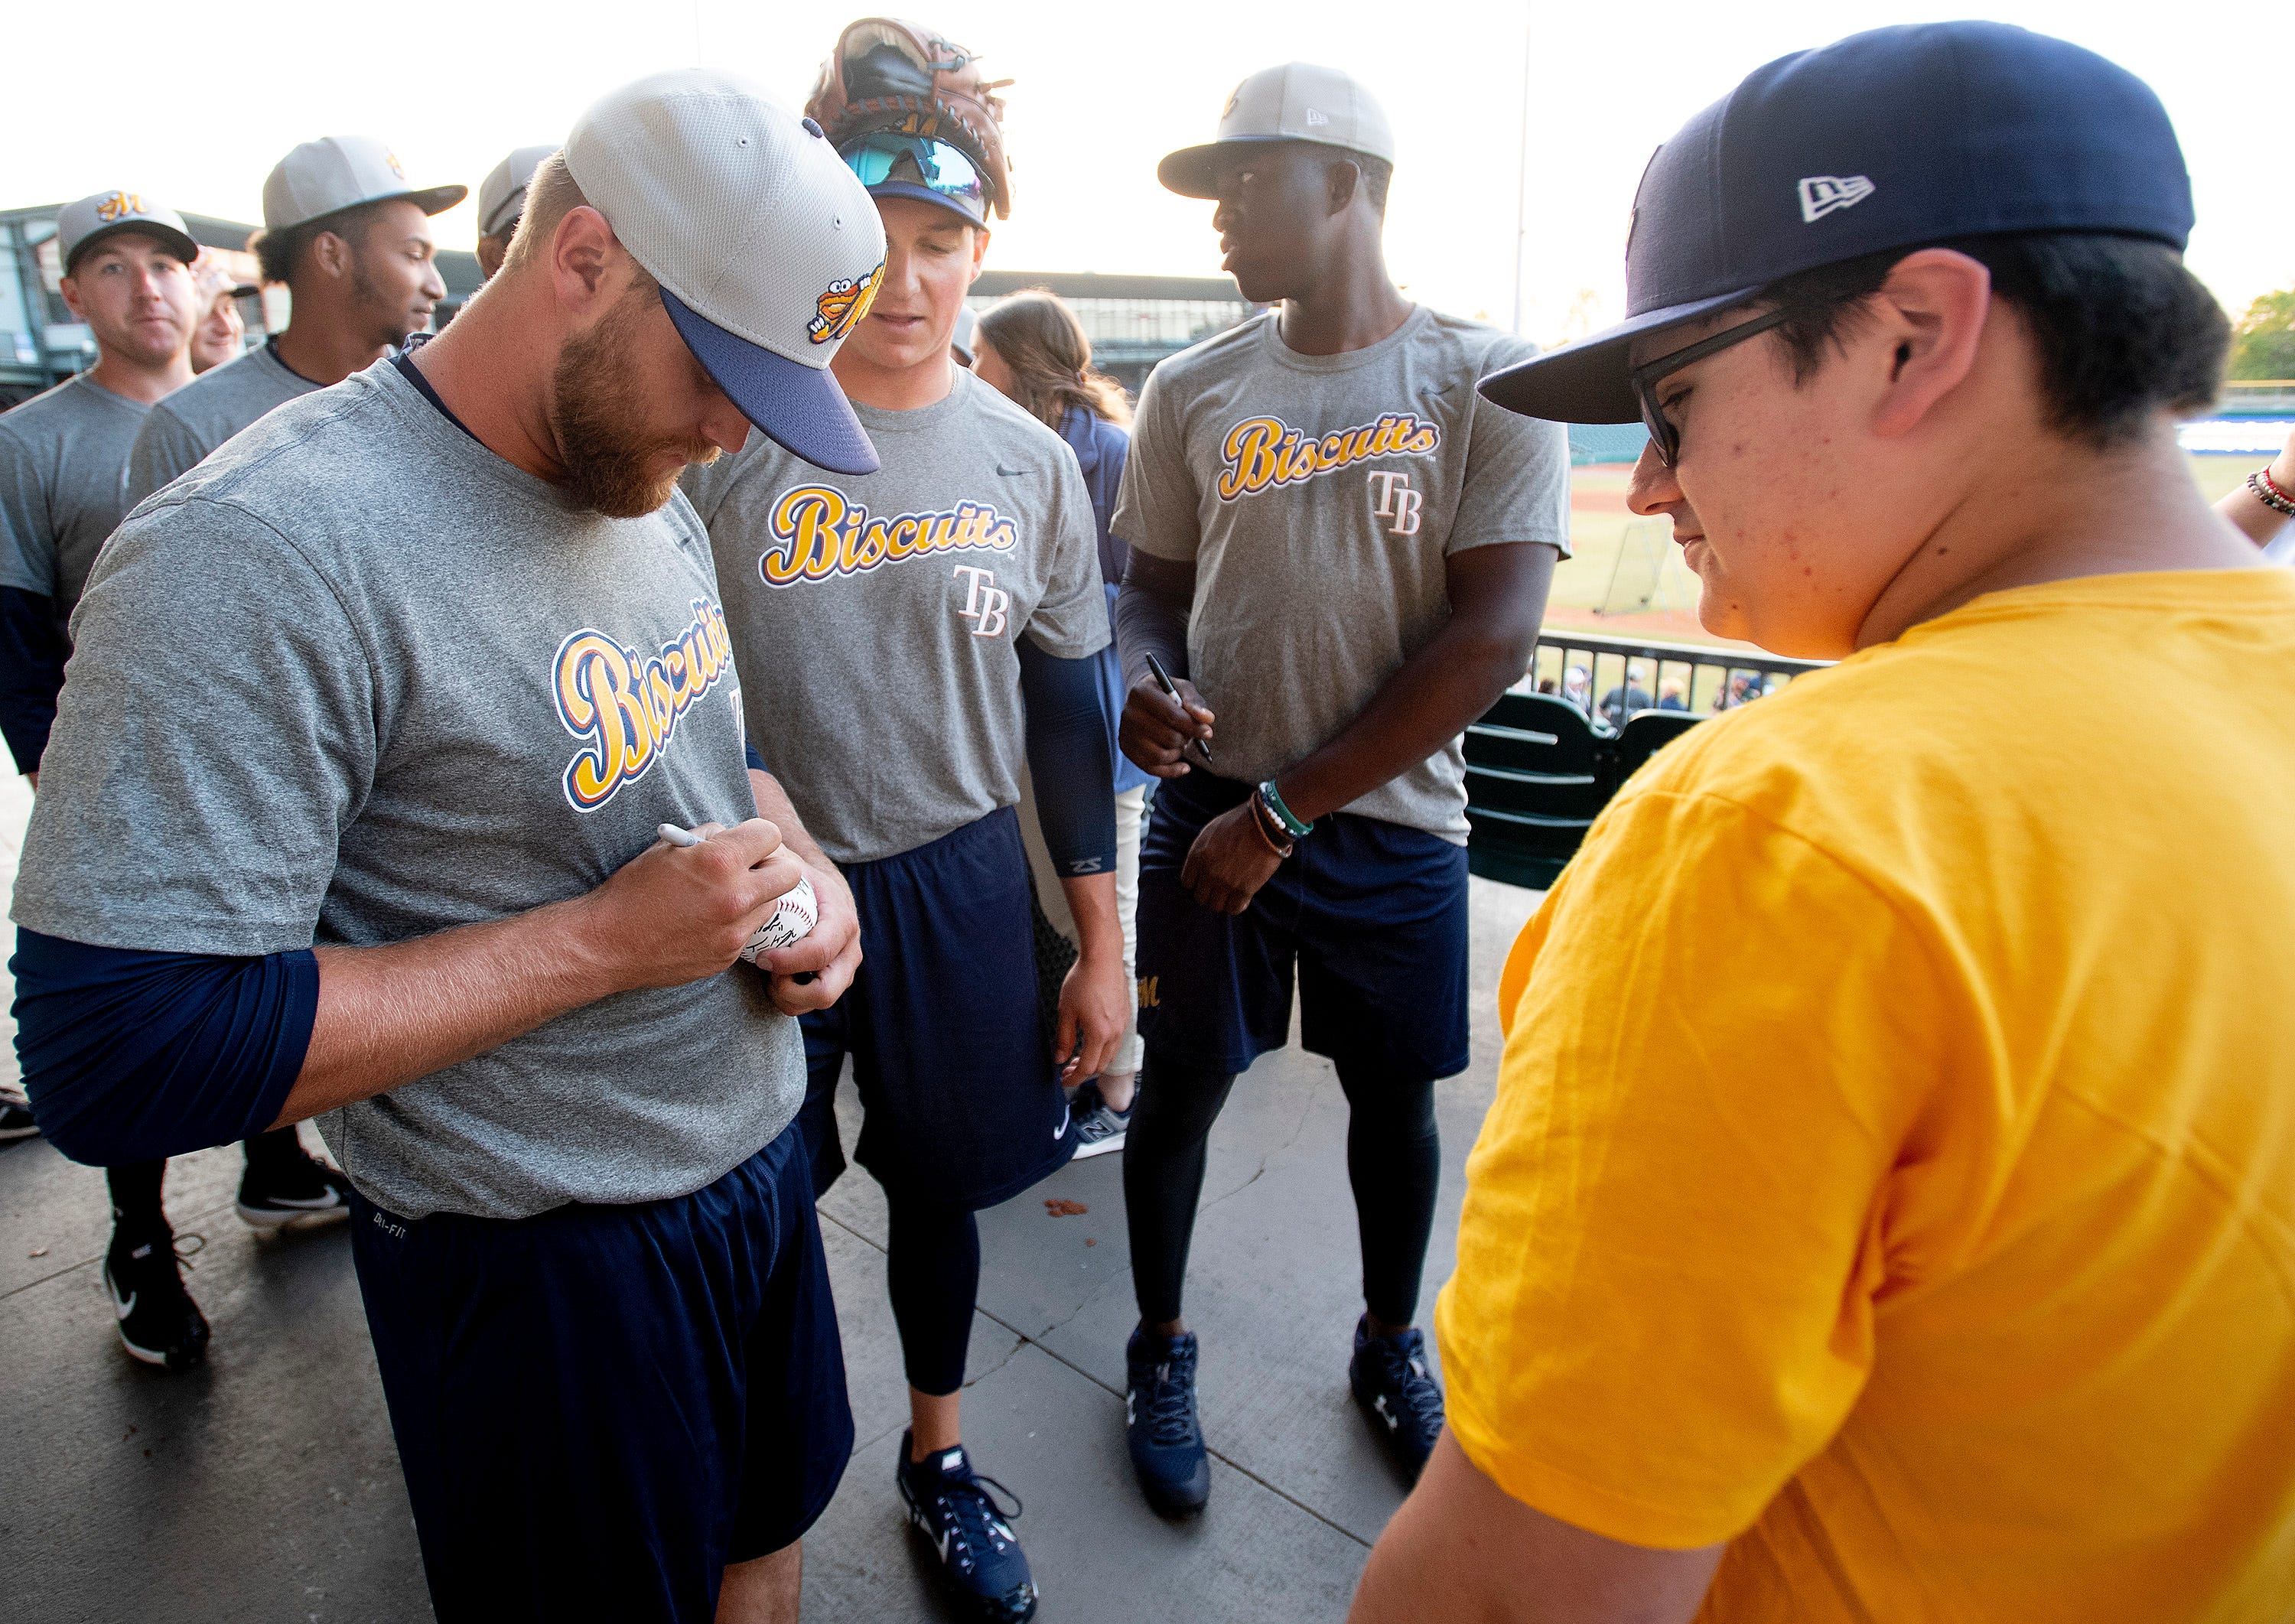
{"x": 1131, "y": 812}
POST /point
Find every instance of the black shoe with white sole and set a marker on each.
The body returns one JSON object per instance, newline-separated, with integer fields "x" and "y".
{"x": 16, "y": 1116}
{"x": 158, "y": 1321}
{"x": 297, "y": 1196}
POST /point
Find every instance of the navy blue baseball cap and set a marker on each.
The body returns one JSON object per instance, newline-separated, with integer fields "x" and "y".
{"x": 1886, "y": 140}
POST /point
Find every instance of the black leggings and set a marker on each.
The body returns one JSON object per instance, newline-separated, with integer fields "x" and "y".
{"x": 136, "y": 1209}
{"x": 932, "y": 1269}
{"x": 1393, "y": 1161}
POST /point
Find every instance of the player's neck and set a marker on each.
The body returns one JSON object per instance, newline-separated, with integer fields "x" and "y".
{"x": 325, "y": 348}
{"x": 139, "y": 381}
{"x": 894, "y": 388}
{"x": 1351, "y": 305}
{"x": 494, "y": 377}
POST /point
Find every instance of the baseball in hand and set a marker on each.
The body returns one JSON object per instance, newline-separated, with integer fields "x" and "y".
{"x": 795, "y": 914}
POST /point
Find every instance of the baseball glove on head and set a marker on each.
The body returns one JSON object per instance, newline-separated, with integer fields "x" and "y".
{"x": 887, "y": 74}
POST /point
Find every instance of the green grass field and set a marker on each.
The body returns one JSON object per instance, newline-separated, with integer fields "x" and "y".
{"x": 1600, "y": 528}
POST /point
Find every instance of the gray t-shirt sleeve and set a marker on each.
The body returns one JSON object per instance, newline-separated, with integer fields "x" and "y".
{"x": 165, "y": 448}
{"x": 1517, "y": 481}
{"x": 1155, "y": 504}
{"x": 1071, "y": 618}
{"x": 28, "y": 530}
{"x": 197, "y": 781}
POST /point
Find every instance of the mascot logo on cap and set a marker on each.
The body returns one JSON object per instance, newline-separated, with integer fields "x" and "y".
{"x": 119, "y": 205}
{"x": 839, "y": 310}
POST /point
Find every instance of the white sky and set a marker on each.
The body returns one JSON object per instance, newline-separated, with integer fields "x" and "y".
{"x": 1103, "y": 91}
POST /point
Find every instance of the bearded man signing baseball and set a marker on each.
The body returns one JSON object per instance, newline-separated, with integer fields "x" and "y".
{"x": 350, "y": 813}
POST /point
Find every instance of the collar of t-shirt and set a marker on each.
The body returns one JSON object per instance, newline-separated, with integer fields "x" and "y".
{"x": 404, "y": 362}
{"x": 271, "y": 349}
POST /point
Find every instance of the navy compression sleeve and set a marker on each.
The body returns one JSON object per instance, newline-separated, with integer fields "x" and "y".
{"x": 131, "y": 1056}
{"x": 755, "y": 760}
{"x": 1145, "y": 625}
{"x": 32, "y": 654}
{"x": 1068, "y": 730}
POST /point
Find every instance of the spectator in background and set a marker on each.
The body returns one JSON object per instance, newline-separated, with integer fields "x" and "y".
{"x": 502, "y": 202}
{"x": 1742, "y": 688}
{"x": 1577, "y": 688}
{"x": 1670, "y": 696}
{"x": 959, "y": 344}
{"x": 1032, "y": 349}
{"x": 222, "y": 332}
{"x": 351, "y": 241}
{"x": 1621, "y": 702}
{"x": 2261, "y": 505}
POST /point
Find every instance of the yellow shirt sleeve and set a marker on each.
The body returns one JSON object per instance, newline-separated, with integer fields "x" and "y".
{"x": 1718, "y": 1039}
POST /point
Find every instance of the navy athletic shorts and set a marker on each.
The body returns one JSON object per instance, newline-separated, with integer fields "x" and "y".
{"x": 963, "y": 1107}
{"x": 1373, "y": 915}
{"x": 599, "y": 1408}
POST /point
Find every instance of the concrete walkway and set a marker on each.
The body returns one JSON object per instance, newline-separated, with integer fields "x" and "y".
{"x": 264, "y": 1489}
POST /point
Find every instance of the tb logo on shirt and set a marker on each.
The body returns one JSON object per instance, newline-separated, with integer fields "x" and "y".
{"x": 1391, "y": 499}
{"x": 985, "y": 605}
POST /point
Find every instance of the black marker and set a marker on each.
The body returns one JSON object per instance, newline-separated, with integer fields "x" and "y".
{"x": 1163, "y": 680}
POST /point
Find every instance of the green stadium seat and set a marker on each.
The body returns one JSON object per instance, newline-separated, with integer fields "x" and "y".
{"x": 1536, "y": 777}
{"x": 1645, "y": 732}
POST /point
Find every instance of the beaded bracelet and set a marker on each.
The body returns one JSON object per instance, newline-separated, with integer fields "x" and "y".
{"x": 1260, "y": 817}
{"x": 2267, "y": 492}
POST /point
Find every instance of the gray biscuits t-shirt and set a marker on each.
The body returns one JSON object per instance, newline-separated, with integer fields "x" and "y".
{"x": 874, "y": 614}
{"x": 204, "y": 413}
{"x": 356, "y": 680}
{"x": 63, "y": 454}
{"x": 1319, "y": 498}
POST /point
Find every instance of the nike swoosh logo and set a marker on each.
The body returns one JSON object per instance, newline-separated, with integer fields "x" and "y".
{"x": 308, "y": 1203}
{"x": 1061, "y": 1132}
{"x": 1011, "y": 473}
{"x": 122, "y": 1309}
{"x": 940, "y": 1541}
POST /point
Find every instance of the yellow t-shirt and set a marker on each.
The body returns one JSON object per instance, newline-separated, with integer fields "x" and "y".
{"x": 1892, "y": 1169}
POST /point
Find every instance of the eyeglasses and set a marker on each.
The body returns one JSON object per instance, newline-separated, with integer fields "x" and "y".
{"x": 917, "y": 161}
{"x": 1644, "y": 377}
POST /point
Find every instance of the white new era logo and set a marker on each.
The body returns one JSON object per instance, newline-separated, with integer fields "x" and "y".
{"x": 1821, "y": 194}
{"x": 1316, "y": 116}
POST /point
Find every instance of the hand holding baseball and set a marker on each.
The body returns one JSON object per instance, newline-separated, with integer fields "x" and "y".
{"x": 675, "y": 914}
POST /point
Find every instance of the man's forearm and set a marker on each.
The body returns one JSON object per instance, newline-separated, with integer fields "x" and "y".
{"x": 774, "y": 806}
{"x": 1480, "y": 652}
{"x": 1147, "y": 621}
{"x": 1100, "y": 929}
{"x": 389, "y": 1014}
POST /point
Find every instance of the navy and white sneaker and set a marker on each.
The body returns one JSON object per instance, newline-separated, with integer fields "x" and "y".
{"x": 979, "y": 1554}
{"x": 1160, "y": 1427}
{"x": 1100, "y": 1127}
{"x": 302, "y": 1196}
{"x": 1390, "y": 1380}
{"x": 16, "y": 1115}
{"x": 158, "y": 1321}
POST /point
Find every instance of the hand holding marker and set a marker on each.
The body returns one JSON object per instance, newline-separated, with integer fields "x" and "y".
{"x": 1163, "y": 680}
{"x": 795, "y": 913}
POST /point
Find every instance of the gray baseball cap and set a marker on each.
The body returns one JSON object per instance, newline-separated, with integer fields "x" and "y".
{"x": 767, "y": 248}
{"x": 502, "y": 195}
{"x": 1297, "y": 101}
{"x": 338, "y": 172}
{"x": 80, "y": 225}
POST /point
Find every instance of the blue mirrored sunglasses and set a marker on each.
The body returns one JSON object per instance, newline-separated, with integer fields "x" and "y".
{"x": 917, "y": 160}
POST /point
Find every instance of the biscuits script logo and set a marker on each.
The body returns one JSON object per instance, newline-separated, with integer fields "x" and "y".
{"x": 842, "y": 307}
{"x": 623, "y": 705}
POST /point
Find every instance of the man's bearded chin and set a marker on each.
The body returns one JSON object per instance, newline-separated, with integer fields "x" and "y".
{"x": 606, "y": 452}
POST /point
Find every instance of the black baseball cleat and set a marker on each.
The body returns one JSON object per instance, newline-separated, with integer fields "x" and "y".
{"x": 980, "y": 1558}
{"x": 1391, "y": 1382}
{"x": 299, "y": 1196}
{"x": 158, "y": 1321}
{"x": 16, "y": 1120}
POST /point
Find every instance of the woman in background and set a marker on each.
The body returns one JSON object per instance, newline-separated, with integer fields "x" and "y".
{"x": 1031, "y": 349}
